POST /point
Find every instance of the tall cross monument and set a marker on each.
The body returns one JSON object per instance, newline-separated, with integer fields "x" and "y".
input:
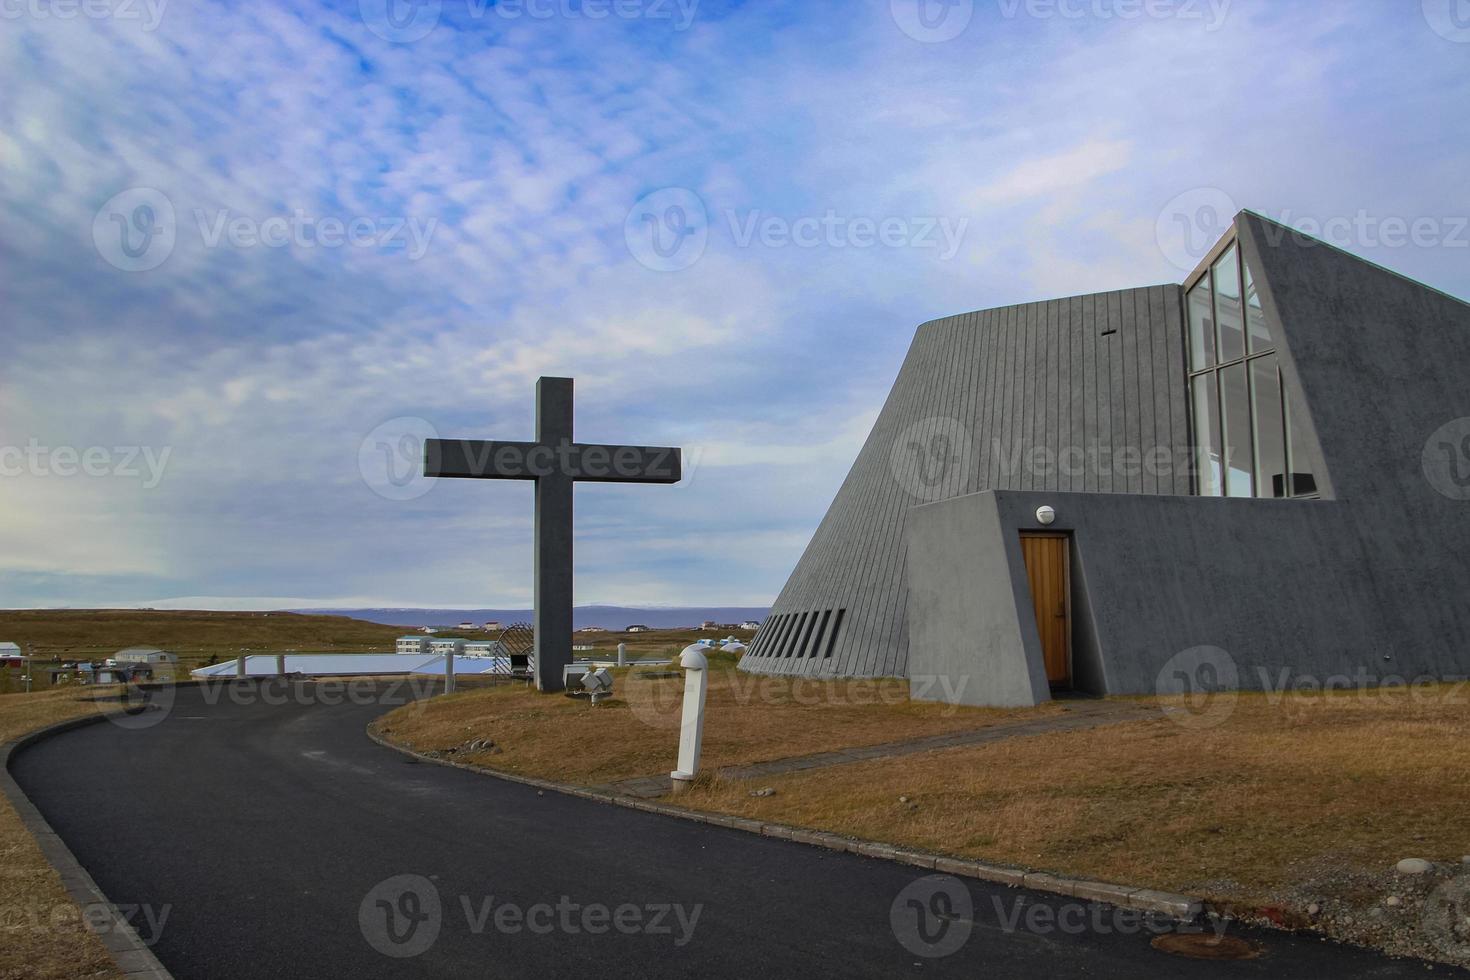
{"x": 556, "y": 463}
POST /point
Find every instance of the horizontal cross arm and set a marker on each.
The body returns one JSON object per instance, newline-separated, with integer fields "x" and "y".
{"x": 486, "y": 460}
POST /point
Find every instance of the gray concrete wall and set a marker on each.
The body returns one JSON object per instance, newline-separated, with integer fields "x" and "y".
{"x": 962, "y": 609}
{"x": 1089, "y": 375}
{"x": 1363, "y": 587}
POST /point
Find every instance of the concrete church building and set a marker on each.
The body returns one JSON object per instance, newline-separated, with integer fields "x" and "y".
{"x": 1258, "y": 476}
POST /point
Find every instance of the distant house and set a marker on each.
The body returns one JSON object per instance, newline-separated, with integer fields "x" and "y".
{"x": 592, "y": 629}
{"x": 467, "y": 625}
{"x": 453, "y": 646}
{"x": 709, "y": 624}
{"x": 493, "y": 626}
{"x": 485, "y": 648}
{"x": 750, "y": 624}
{"x": 150, "y": 657}
{"x": 10, "y": 655}
{"x": 412, "y": 644}
{"x": 431, "y": 630}
{"x": 638, "y": 629}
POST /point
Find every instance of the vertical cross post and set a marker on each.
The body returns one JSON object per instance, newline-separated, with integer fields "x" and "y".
{"x": 553, "y": 560}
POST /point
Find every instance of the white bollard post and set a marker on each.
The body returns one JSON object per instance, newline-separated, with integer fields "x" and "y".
{"x": 280, "y": 665}
{"x": 449, "y": 672}
{"x": 691, "y": 729}
{"x": 622, "y": 654}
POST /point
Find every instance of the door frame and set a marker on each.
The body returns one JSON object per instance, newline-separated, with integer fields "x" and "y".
{"x": 1066, "y": 536}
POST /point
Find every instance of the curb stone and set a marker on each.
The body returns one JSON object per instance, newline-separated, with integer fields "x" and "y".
{"x": 1184, "y": 908}
{"x": 132, "y": 957}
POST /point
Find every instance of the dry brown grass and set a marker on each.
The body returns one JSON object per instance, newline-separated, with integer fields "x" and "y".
{"x": 41, "y": 934}
{"x": 198, "y": 637}
{"x": 750, "y": 719}
{"x": 1235, "y": 812}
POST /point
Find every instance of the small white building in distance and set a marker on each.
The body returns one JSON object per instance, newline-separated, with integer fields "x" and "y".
{"x": 637, "y": 629}
{"x": 750, "y": 624}
{"x": 493, "y": 626}
{"x": 592, "y": 629}
{"x": 145, "y": 656}
{"x": 10, "y": 653}
{"x": 467, "y": 625}
{"x": 444, "y": 646}
{"x": 484, "y": 648}
{"x": 413, "y": 644}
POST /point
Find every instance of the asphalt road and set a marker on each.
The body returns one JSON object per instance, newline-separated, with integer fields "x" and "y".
{"x": 262, "y": 834}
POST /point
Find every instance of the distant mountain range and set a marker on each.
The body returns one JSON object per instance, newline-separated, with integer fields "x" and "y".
{"x": 608, "y": 617}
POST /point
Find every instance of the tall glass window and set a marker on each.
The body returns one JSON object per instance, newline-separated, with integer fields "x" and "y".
{"x": 1258, "y": 333}
{"x": 1268, "y": 436}
{"x": 1201, "y": 327}
{"x": 1235, "y": 413}
{"x": 1205, "y": 403}
{"x": 1228, "y": 314}
{"x": 1247, "y": 441}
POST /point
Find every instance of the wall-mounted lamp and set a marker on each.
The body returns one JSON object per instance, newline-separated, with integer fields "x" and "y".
{"x": 1045, "y": 516}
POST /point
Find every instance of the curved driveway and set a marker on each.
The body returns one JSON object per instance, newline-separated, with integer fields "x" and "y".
{"x": 267, "y": 839}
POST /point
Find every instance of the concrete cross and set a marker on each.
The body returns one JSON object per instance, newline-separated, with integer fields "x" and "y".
{"x": 555, "y": 462}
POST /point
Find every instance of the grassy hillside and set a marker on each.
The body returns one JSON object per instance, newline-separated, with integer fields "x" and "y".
{"x": 193, "y": 635}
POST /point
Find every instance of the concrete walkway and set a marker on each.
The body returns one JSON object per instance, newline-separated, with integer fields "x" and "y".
{"x": 1076, "y": 716}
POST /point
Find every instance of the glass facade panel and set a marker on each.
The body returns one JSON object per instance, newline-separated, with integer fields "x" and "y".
{"x": 1229, "y": 316}
{"x": 1245, "y": 439}
{"x": 1201, "y": 327}
{"x": 1268, "y": 427}
{"x": 1303, "y": 480}
{"x": 1258, "y": 332}
{"x": 1236, "y": 416}
{"x": 1205, "y": 400}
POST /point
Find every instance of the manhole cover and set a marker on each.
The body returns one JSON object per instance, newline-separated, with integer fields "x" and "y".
{"x": 1206, "y": 946}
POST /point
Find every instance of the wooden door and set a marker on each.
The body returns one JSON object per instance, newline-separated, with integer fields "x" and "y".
{"x": 1047, "y": 560}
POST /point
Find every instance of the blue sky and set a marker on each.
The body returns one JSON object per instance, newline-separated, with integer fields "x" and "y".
{"x": 345, "y": 228}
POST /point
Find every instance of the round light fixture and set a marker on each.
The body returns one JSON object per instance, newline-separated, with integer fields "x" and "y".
{"x": 1045, "y": 515}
